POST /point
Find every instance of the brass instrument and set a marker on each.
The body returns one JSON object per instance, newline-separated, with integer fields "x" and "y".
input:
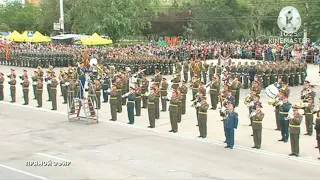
{"x": 284, "y": 87}
{"x": 100, "y": 70}
{"x": 50, "y": 68}
{"x": 247, "y": 100}
{"x": 195, "y": 101}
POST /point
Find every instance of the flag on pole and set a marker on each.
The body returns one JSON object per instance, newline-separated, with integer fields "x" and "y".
{"x": 168, "y": 41}
{"x": 86, "y": 59}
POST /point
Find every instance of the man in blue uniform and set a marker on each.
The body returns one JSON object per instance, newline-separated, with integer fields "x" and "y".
{"x": 130, "y": 105}
{"x": 82, "y": 79}
{"x": 283, "y": 113}
{"x": 231, "y": 123}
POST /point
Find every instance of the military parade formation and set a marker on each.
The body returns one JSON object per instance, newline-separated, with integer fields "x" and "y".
{"x": 138, "y": 82}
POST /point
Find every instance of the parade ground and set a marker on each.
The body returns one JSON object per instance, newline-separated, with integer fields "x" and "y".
{"x": 37, "y": 143}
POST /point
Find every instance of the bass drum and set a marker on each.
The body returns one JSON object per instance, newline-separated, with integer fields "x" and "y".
{"x": 272, "y": 91}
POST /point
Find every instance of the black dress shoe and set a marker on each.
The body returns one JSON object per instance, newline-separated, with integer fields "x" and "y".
{"x": 204, "y": 137}
{"x": 292, "y": 154}
{"x": 280, "y": 140}
{"x": 319, "y": 158}
{"x": 199, "y": 136}
{"x": 227, "y": 147}
{"x": 277, "y": 129}
{"x": 316, "y": 147}
{"x": 25, "y": 104}
{"x": 224, "y": 141}
{"x": 64, "y": 103}
{"x": 197, "y": 125}
{"x": 171, "y": 131}
{"x": 306, "y": 134}
{"x": 111, "y": 120}
{"x": 254, "y": 147}
{"x": 175, "y": 131}
{"x": 251, "y": 134}
{"x": 211, "y": 108}
{"x": 250, "y": 124}
{"x": 130, "y": 123}
{"x": 53, "y": 109}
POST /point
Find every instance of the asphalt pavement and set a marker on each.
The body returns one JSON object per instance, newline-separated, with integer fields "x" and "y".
{"x": 113, "y": 151}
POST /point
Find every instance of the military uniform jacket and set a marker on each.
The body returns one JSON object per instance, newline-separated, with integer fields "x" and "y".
{"x": 184, "y": 91}
{"x": 25, "y": 85}
{"x": 284, "y": 109}
{"x": 39, "y": 88}
{"x": 13, "y": 83}
{"x": 173, "y": 107}
{"x": 195, "y": 85}
{"x": 205, "y": 67}
{"x": 231, "y": 121}
{"x": 71, "y": 86}
{"x": 203, "y": 108}
{"x": 54, "y": 84}
{"x": 138, "y": 93}
{"x": 295, "y": 124}
{"x": 113, "y": 97}
{"x": 151, "y": 100}
{"x": 157, "y": 79}
{"x": 185, "y": 67}
{"x": 98, "y": 89}
{"x": 34, "y": 80}
{"x": 309, "y": 109}
{"x": 164, "y": 89}
{"x": 257, "y": 89}
{"x": 131, "y": 99}
{"x": 144, "y": 86}
{"x": 119, "y": 87}
{"x": 257, "y": 120}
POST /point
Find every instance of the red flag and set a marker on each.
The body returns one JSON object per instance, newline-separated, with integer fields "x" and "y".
{"x": 168, "y": 41}
{"x": 7, "y": 52}
{"x": 86, "y": 59}
{"x": 177, "y": 41}
{"x": 173, "y": 40}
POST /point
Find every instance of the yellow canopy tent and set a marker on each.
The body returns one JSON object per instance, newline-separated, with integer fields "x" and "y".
{"x": 25, "y": 37}
{"x": 95, "y": 39}
{"x": 14, "y": 36}
{"x": 39, "y": 38}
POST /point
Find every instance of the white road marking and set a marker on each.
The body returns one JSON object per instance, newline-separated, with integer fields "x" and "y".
{"x": 23, "y": 172}
{"x": 170, "y": 135}
{"x": 53, "y": 157}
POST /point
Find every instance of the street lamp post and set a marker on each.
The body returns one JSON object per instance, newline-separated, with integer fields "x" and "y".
{"x": 61, "y": 17}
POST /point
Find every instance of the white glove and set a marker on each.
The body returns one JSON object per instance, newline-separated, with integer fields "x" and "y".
{"x": 49, "y": 82}
{"x": 35, "y": 83}
{"x": 105, "y": 91}
{"x": 198, "y": 104}
{"x": 109, "y": 91}
{"x": 67, "y": 84}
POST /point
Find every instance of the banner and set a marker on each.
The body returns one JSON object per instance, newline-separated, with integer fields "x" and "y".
{"x": 7, "y": 52}
{"x": 86, "y": 59}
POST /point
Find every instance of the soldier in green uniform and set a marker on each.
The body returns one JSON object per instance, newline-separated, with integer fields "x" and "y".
{"x": 124, "y": 81}
{"x": 137, "y": 99}
{"x": 164, "y": 92}
{"x": 71, "y": 95}
{"x": 184, "y": 92}
{"x": 53, "y": 90}
{"x": 195, "y": 83}
{"x": 157, "y": 101}
{"x": 151, "y": 108}
{"x": 65, "y": 83}
{"x": 204, "y": 71}
{"x": 202, "y": 117}
{"x": 245, "y": 70}
{"x": 214, "y": 92}
{"x": 25, "y": 89}
{"x": 113, "y": 102}
{"x": 295, "y": 132}
{"x": 175, "y": 82}
{"x": 119, "y": 84}
{"x": 308, "y": 110}
{"x": 180, "y": 97}
{"x": 257, "y": 126}
{"x": 48, "y": 80}
{"x": 185, "y": 70}
{"x": 98, "y": 93}
{"x": 173, "y": 109}
{"x": 296, "y": 75}
{"x": 211, "y": 71}
{"x": 144, "y": 90}
{"x": 1, "y": 86}
{"x": 39, "y": 92}
{"x": 12, "y": 84}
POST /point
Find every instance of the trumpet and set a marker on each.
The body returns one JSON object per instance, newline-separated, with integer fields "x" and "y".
{"x": 195, "y": 102}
